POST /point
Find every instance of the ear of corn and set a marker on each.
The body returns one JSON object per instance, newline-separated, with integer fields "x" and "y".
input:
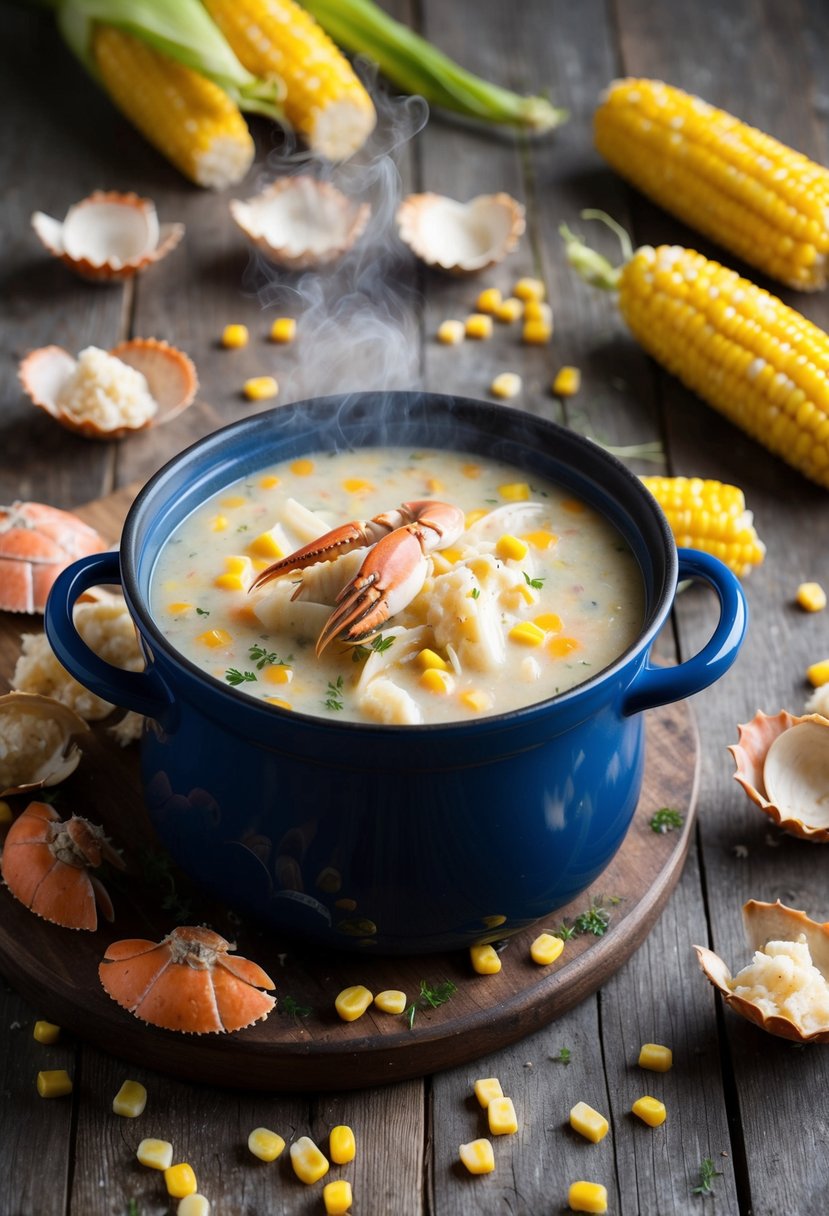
{"x": 711, "y": 516}
{"x": 748, "y": 192}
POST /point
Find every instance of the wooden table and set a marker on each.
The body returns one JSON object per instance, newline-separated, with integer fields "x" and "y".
{"x": 755, "y": 1105}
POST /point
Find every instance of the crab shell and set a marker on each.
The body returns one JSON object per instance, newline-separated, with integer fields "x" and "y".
{"x": 170, "y": 375}
{"x": 37, "y": 542}
{"x": 301, "y": 223}
{"x": 783, "y": 765}
{"x": 64, "y": 756}
{"x": 108, "y": 236}
{"x": 463, "y": 238}
{"x": 763, "y": 923}
{"x": 188, "y": 982}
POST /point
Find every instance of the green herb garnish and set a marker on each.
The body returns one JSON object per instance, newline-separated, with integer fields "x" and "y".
{"x": 158, "y": 872}
{"x": 234, "y": 677}
{"x": 263, "y": 658}
{"x": 202, "y": 612}
{"x": 536, "y": 583}
{"x": 132, "y": 1208}
{"x": 565, "y": 932}
{"x": 595, "y": 920}
{"x": 666, "y": 819}
{"x": 564, "y": 1056}
{"x": 475, "y": 592}
{"x": 707, "y": 1174}
{"x": 335, "y": 694}
{"x": 242, "y": 528}
{"x": 430, "y": 997}
{"x": 289, "y": 1005}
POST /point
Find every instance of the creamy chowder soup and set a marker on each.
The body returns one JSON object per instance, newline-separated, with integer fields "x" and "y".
{"x": 538, "y": 593}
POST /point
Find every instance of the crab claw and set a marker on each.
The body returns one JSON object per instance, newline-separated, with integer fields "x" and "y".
{"x": 325, "y": 548}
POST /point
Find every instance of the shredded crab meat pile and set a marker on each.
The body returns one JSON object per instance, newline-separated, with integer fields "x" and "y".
{"x": 27, "y": 744}
{"x": 107, "y": 392}
{"x": 782, "y": 981}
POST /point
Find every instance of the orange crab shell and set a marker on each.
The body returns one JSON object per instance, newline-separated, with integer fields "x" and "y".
{"x": 188, "y": 982}
{"x": 37, "y": 542}
{"x": 45, "y": 865}
{"x": 755, "y": 739}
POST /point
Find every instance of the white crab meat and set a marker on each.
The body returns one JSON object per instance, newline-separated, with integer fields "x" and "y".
{"x": 301, "y": 222}
{"x": 463, "y": 238}
{"x": 470, "y": 624}
{"x": 36, "y": 742}
{"x": 387, "y": 702}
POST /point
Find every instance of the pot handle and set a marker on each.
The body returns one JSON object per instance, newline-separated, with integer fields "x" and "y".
{"x": 661, "y": 685}
{"x": 143, "y": 691}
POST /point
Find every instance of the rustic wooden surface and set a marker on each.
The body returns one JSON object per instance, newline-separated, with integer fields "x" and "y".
{"x": 756, "y": 1106}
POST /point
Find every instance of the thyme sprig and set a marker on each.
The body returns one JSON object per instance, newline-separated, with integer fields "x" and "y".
{"x": 707, "y": 1174}
{"x": 430, "y": 997}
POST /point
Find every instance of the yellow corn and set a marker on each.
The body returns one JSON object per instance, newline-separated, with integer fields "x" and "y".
{"x": 478, "y": 325}
{"x": 538, "y": 310}
{"x": 341, "y": 1144}
{"x": 536, "y": 333}
{"x": 560, "y": 647}
{"x": 337, "y": 1198}
{"x": 269, "y": 482}
{"x": 477, "y": 1156}
{"x": 587, "y": 1197}
{"x": 157, "y": 1154}
{"x": 743, "y": 189}
{"x": 54, "y": 1083}
{"x": 188, "y": 118}
{"x": 709, "y": 515}
{"x": 179, "y": 608}
{"x": 546, "y": 949}
{"x": 130, "y": 1100}
{"x": 811, "y": 597}
{"x": 818, "y": 673}
{"x": 476, "y": 700}
{"x": 260, "y": 388}
{"x": 650, "y": 1110}
{"x": 233, "y": 500}
{"x": 506, "y": 385}
{"x": 486, "y": 1089}
{"x": 6, "y": 813}
{"x": 283, "y": 330}
{"x": 324, "y": 100}
{"x": 494, "y": 921}
{"x": 526, "y": 634}
{"x": 352, "y": 1003}
{"x": 541, "y": 539}
{"x": 278, "y": 673}
{"x": 266, "y": 545}
{"x": 567, "y": 382}
{"x": 515, "y": 491}
{"x": 655, "y": 1057}
{"x": 302, "y": 467}
{"x": 550, "y": 622}
{"x": 485, "y": 960}
{"x": 428, "y": 658}
{"x": 501, "y": 1117}
{"x": 529, "y": 289}
{"x": 237, "y": 573}
{"x": 309, "y": 1163}
{"x": 511, "y": 548}
{"x": 489, "y": 300}
{"x": 219, "y": 523}
{"x": 436, "y": 681}
{"x": 509, "y": 310}
{"x": 180, "y": 1180}
{"x": 235, "y": 336}
{"x": 214, "y": 638}
{"x": 588, "y": 1122}
{"x": 450, "y": 333}
{"x": 46, "y": 1032}
{"x": 193, "y": 1205}
{"x": 265, "y": 1144}
{"x": 392, "y": 1000}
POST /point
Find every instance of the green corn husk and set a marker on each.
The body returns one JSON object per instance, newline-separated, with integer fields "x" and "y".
{"x": 416, "y": 66}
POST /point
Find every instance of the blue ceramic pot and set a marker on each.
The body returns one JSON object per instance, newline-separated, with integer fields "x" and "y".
{"x": 405, "y": 839}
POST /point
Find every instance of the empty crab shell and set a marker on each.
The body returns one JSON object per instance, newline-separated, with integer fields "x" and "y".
{"x": 764, "y": 923}
{"x": 108, "y": 235}
{"x": 300, "y": 222}
{"x": 171, "y": 380}
{"x": 37, "y": 542}
{"x": 783, "y": 765}
{"x": 36, "y": 742}
{"x": 463, "y": 238}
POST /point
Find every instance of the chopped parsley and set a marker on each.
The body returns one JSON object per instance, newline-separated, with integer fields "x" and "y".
{"x": 475, "y": 592}
{"x": 132, "y": 1208}
{"x": 242, "y": 528}
{"x": 595, "y": 920}
{"x": 378, "y": 645}
{"x": 263, "y": 658}
{"x": 564, "y": 1056}
{"x": 202, "y": 612}
{"x": 707, "y": 1174}
{"x": 236, "y": 677}
{"x": 565, "y": 932}
{"x": 292, "y": 1007}
{"x": 666, "y": 819}
{"x": 536, "y": 583}
{"x": 335, "y": 694}
{"x": 430, "y": 997}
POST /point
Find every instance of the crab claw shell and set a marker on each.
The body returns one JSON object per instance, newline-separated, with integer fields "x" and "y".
{"x": 765, "y": 922}
{"x": 463, "y": 238}
{"x": 171, "y": 379}
{"x": 300, "y": 222}
{"x": 783, "y": 765}
{"x": 108, "y": 236}
{"x": 188, "y": 982}
{"x": 36, "y": 742}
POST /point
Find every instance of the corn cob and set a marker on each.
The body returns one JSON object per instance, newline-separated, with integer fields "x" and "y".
{"x": 711, "y": 516}
{"x": 324, "y": 100}
{"x": 746, "y": 353}
{"x": 746, "y": 191}
{"x": 187, "y": 117}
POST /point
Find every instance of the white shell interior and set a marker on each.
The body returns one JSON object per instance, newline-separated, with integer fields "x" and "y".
{"x": 463, "y": 234}
{"x": 102, "y": 233}
{"x": 50, "y": 374}
{"x": 796, "y": 773}
{"x": 299, "y": 218}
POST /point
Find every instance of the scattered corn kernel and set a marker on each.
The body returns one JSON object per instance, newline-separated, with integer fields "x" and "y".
{"x": 180, "y": 1180}
{"x": 489, "y": 300}
{"x": 265, "y": 1144}
{"x": 492, "y": 922}
{"x": 233, "y": 500}
{"x": 193, "y": 1205}
{"x": 6, "y": 814}
{"x": 509, "y": 310}
{"x": 811, "y": 597}
{"x": 506, "y": 385}
{"x": 266, "y": 545}
{"x": 337, "y": 1197}
{"x": 655, "y": 1057}
{"x": 278, "y": 701}
{"x": 536, "y": 333}
{"x": 309, "y": 1163}
{"x": 562, "y": 646}
{"x": 537, "y": 310}
{"x": 484, "y": 960}
{"x": 587, "y": 1197}
{"x": 567, "y": 382}
{"x": 157, "y": 1154}
{"x": 269, "y": 482}
{"x": 54, "y": 1083}
{"x": 546, "y": 949}
{"x": 527, "y": 634}
{"x": 542, "y": 539}
{"x": 260, "y": 388}
{"x": 218, "y": 523}
{"x": 501, "y": 1117}
{"x": 341, "y": 1144}
{"x": 478, "y": 325}
{"x": 510, "y": 548}
{"x": 472, "y": 517}
{"x": 818, "y": 673}
{"x": 357, "y": 485}
{"x": 436, "y": 681}
{"x": 237, "y": 574}
{"x": 477, "y": 1156}
{"x": 486, "y": 1089}
{"x": 515, "y": 491}
{"x": 353, "y": 1002}
{"x": 392, "y": 1000}
{"x": 302, "y": 467}
{"x": 46, "y": 1032}
{"x": 179, "y": 608}
{"x": 476, "y": 700}
{"x": 130, "y": 1100}
{"x": 234, "y": 336}
{"x": 429, "y": 658}
{"x": 450, "y": 333}
{"x": 650, "y": 1111}
{"x": 529, "y": 289}
{"x": 283, "y": 329}
{"x": 278, "y": 673}
{"x": 588, "y": 1122}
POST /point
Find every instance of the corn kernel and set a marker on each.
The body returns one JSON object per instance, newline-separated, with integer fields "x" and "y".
{"x": 529, "y": 289}
{"x": 486, "y": 1089}
{"x": 341, "y": 1144}
{"x": 391, "y": 1000}
{"x": 309, "y": 1163}
{"x": 180, "y": 1180}
{"x": 650, "y": 1111}
{"x": 818, "y": 673}
{"x": 488, "y": 300}
{"x": 811, "y": 597}
{"x": 472, "y": 517}
{"x": 278, "y": 673}
{"x": 436, "y": 681}
{"x": 237, "y": 575}
{"x": 537, "y": 310}
{"x": 509, "y": 310}
{"x": 46, "y": 1032}
{"x": 476, "y": 700}
{"x": 357, "y": 485}
{"x": 130, "y": 1100}
{"x": 587, "y": 1197}
{"x": 6, "y": 814}
{"x": 550, "y": 622}
{"x": 567, "y": 382}
{"x": 536, "y": 333}
{"x": 546, "y": 949}
{"x": 54, "y": 1083}
{"x": 337, "y": 1197}
{"x": 527, "y": 634}
{"x": 218, "y": 523}
{"x": 450, "y": 333}
{"x": 515, "y": 491}
{"x": 510, "y": 548}
{"x": 478, "y": 325}
{"x": 302, "y": 467}
{"x": 283, "y": 329}
{"x": 588, "y": 1122}
{"x": 655, "y": 1057}
{"x": 560, "y": 647}
{"x": 353, "y": 1002}
{"x": 477, "y": 1156}
{"x": 157, "y": 1154}
{"x": 429, "y": 658}
{"x": 329, "y": 880}
{"x": 233, "y": 500}
{"x": 193, "y": 1205}
{"x": 266, "y": 545}
{"x": 234, "y": 336}
{"x": 260, "y": 388}
{"x": 268, "y": 482}
{"x": 265, "y": 1144}
{"x": 542, "y": 539}
{"x": 473, "y": 471}
{"x": 278, "y": 701}
{"x": 484, "y": 960}
{"x": 501, "y": 1117}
